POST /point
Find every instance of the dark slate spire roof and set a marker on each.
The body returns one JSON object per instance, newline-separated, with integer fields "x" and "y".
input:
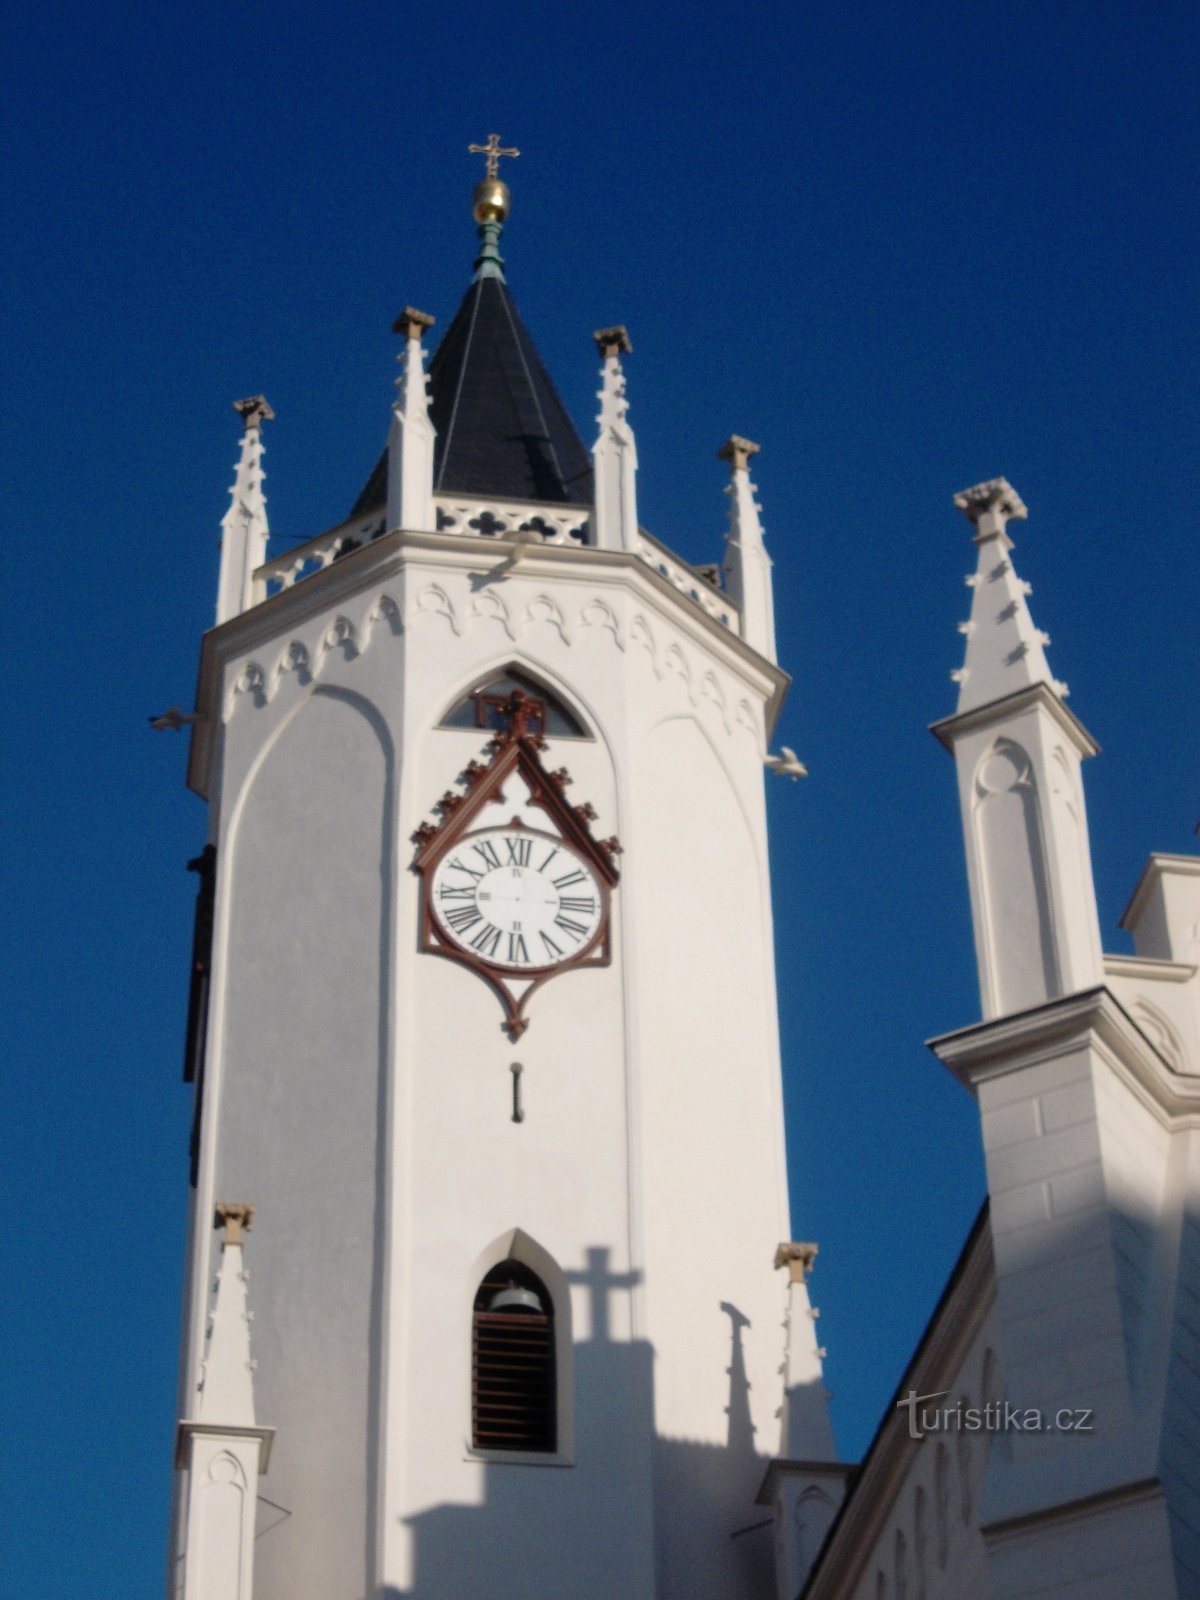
{"x": 501, "y": 427}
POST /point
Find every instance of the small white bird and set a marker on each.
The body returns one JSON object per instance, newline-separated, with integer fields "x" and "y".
{"x": 786, "y": 764}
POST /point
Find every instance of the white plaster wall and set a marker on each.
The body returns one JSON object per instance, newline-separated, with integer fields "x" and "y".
{"x": 1057, "y": 1289}
{"x": 1136, "y": 1152}
{"x": 296, "y": 1083}
{"x": 650, "y": 1122}
{"x": 709, "y": 1145}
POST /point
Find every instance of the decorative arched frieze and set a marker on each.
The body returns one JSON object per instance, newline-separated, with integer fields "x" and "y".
{"x": 674, "y": 660}
{"x": 251, "y": 682}
{"x": 487, "y": 606}
{"x": 433, "y": 601}
{"x": 341, "y": 635}
{"x": 385, "y": 612}
{"x": 543, "y": 609}
{"x": 641, "y": 633}
{"x": 293, "y": 658}
{"x": 710, "y": 690}
{"x": 595, "y": 614}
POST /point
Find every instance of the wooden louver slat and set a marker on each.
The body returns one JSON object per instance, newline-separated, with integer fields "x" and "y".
{"x": 512, "y": 1368}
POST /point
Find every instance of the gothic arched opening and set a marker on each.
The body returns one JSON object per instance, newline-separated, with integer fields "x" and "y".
{"x": 482, "y": 706}
{"x": 513, "y": 1381}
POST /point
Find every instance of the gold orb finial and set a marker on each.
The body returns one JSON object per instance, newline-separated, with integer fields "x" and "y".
{"x": 490, "y": 201}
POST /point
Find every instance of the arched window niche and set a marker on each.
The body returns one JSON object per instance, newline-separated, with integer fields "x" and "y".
{"x": 481, "y": 706}
{"x": 521, "y": 1377}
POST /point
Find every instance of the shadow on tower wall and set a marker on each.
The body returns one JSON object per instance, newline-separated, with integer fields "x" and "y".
{"x": 635, "y": 1515}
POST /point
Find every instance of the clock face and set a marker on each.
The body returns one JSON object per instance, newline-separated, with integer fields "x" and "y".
{"x": 519, "y": 900}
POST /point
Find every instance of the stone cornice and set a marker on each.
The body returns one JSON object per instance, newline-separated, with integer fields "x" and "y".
{"x": 388, "y": 556}
{"x": 1157, "y": 866}
{"x": 1010, "y": 705}
{"x": 994, "y": 1049}
{"x": 186, "y": 1431}
{"x": 945, "y": 1344}
{"x": 1144, "y": 1489}
{"x": 1145, "y": 967}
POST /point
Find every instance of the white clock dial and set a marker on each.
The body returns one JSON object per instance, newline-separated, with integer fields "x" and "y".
{"x": 517, "y": 899}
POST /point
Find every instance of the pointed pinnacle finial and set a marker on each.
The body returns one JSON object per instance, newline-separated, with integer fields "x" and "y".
{"x": 235, "y": 1217}
{"x": 737, "y": 451}
{"x": 413, "y": 323}
{"x": 798, "y": 1258}
{"x": 612, "y": 341}
{"x": 254, "y": 411}
{"x": 990, "y": 505}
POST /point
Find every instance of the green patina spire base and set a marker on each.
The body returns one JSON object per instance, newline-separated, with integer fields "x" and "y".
{"x": 490, "y": 263}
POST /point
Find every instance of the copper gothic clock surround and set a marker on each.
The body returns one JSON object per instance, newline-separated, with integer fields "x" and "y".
{"x": 462, "y": 852}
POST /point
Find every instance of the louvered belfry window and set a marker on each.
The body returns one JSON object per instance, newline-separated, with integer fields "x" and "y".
{"x": 512, "y": 1362}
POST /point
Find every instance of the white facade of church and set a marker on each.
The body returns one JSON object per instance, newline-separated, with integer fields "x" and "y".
{"x": 605, "y": 1158}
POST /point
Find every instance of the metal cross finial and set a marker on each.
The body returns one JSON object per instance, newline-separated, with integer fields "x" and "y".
{"x": 493, "y": 152}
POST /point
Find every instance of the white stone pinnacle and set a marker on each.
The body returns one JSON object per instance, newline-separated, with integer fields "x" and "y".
{"x": 806, "y": 1432}
{"x": 1005, "y": 652}
{"x": 614, "y": 455}
{"x": 747, "y": 564}
{"x": 412, "y": 434}
{"x": 244, "y": 529}
{"x": 227, "y": 1392}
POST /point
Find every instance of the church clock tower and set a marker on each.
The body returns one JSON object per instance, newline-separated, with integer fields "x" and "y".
{"x": 485, "y": 1026}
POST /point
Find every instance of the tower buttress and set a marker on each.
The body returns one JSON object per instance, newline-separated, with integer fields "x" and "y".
{"x": 1018, "y": 751}
{"x": 747, "y": 564}
{"x": 615, "y": 519}
{"x": 244, "y": 529}
{"x": 412, "y": 434}
{"x": 222, "y": 1447}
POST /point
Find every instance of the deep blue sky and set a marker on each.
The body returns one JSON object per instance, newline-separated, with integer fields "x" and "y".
{"x": 904, "y": 247}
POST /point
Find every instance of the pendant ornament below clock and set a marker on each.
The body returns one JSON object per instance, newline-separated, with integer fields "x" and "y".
{"x": 514, "y": 885}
